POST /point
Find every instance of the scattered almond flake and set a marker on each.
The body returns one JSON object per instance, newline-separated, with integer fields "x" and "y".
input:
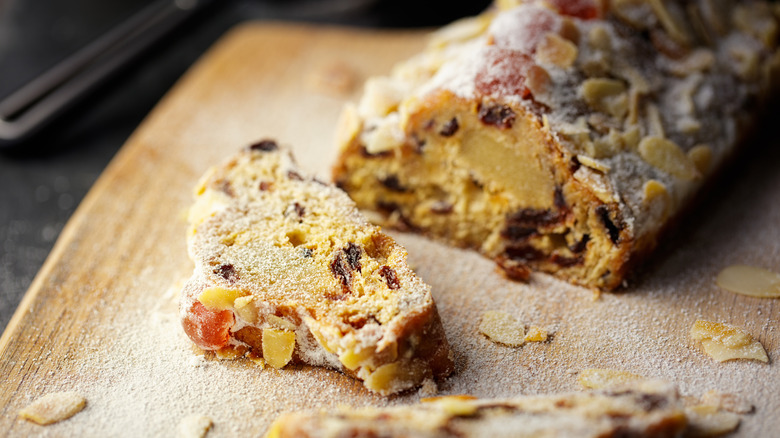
{"x": 725, "y": 342}
{"x": 750, "y": 281}
{"x": 535, "y": 334}
{"x": 428, "y": 388}
{"x": 194, "y": 426}
{"x": 501, "y": 327}
{"x": 53, "y": 407}
{"x": 707, "y": 421}
{"x": 729, "y": 402}
{"x": 336, "y": 78}
{"x": 600, "y": 378}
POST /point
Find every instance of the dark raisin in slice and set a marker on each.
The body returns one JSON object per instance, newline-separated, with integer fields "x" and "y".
{"x": 341, "y": 270}
{"x": 441, "y": 207}
{"x": 228, "y": 272}
{"x": 390, "y": 277}
{"x": 612, "y": 229}
{"x": 264, "y": 146}
{"x": 500, "y": 116}
{"x": 353, "y": 256}
{"x": 392, "y": 183}
{"x": 299, "y": 209}
{"x": 514, "y": 269}
{"x": 265, "y": 185}
{"x": 294, "y": 175}
{"x": 450, "y": 128}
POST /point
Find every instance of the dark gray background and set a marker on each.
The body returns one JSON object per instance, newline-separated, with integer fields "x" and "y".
{"x": 43, "y": 180}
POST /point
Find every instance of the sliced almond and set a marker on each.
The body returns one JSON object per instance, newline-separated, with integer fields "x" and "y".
{"x": 554, "y": 49}
{"x": 501, "y": 327}
{"x": 606, "y": 95}
{"x": 53, "y": 407}
{"x": 599, "y": 378}
{"x": 728, "y": 402}
{"x": 219, "y": 298}
{"x": 701, "y": 156}
{"x": 667, "y": 156}
{"x": 725, "y": 342}
{"x": 750, "y": 280}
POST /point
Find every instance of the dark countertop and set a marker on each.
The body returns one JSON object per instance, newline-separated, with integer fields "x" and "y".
{"x": 43, "y": 181}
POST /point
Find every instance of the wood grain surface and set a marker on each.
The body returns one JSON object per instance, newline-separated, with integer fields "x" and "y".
{"x": 100, "y": 318}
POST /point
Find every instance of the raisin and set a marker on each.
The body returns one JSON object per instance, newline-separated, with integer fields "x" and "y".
{"x": 612, "y": 229}
{"x": 500, "y": 116}
{"x": 559, "y": 200}
{"x": 341, "y": 270}
{"x": 652, "y": 401}
{"x": 294, "y": 175}
{"x": 390, "y": 277}
{"x": 359, "y": 321}
{"x": 353, "y": 256}
{"x": 366, "y": 154}
{"x": 441, "y": 207}
{"x": 299, "y": 209}
{"x": 564, "y": 261}
{"x": 228, "y": 272}
{"x": 527, "y": 221}
{"x": 514, "y": 269}
{"x": 344, "y": 263}
{"x": 523, "y": 253}
{"x": 392, "y": 183}
{"x": 581, "y": 245}
{"x": 264, "y": 146}
{"x": 418, "y": 143}
{"x": 450, "y": 128}
{"x": 225, "y": 187}
{"x": 265, "y": 185}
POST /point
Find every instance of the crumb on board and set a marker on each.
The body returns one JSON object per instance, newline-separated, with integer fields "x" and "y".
{"x": 53, "y": 407}
{"x": 335, "y": 78}
{"x": 709, "y": 421}
{"x": 194, "y": 426}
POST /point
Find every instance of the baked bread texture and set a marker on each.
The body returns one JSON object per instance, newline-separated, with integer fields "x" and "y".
{"x": 287, "y": 269}
{"x": 562, "y": 136}
{"x": 652, "y": 409}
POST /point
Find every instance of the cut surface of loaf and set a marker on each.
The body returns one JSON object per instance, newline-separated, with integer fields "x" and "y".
{"x": 287, "y": 269}
{"x": 652, "y": 409}
{"x": 561, "y": 135}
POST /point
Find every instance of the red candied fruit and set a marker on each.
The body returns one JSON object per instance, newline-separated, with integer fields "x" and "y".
{"x": 208, "y": 329}
{"x": 522, "y": 28}
{"x": 585, "y": 9}
{"x": 503, "y": 73}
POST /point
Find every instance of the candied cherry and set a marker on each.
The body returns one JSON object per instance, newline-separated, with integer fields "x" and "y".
{"x": 585, "y": 9}
{"x": 208, "y": 329}
{"x": 503, "y": 73}
{"x": 522, "y": 28}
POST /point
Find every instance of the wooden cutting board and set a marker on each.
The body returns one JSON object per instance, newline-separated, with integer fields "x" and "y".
{"x": 100, "y": 318}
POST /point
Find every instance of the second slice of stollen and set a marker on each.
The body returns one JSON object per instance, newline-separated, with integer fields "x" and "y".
{"x": 287, "y": 269}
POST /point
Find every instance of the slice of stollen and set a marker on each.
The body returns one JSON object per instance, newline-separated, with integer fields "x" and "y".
{"x": 646, "y": 409}
{"x": 287, "y": 269}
